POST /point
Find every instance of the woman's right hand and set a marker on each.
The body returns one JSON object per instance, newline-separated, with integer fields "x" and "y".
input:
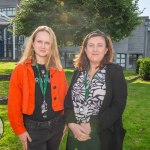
{"x": 24, "y": 137}
{"x": 79, "y": 132}
{"x": 87, "y": 127}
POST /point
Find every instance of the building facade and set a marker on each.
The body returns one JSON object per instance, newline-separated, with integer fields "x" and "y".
{"x": 10, "y": 45}
{"x": 127, "y": 51}
{"x": 137, "y": 45}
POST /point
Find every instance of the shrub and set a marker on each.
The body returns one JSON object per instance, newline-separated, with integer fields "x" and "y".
{"x": 138, "y": 65}
{"x": 144, "y": 69}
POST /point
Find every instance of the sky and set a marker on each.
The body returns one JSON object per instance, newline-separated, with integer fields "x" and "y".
{"x": 144, "y": 4}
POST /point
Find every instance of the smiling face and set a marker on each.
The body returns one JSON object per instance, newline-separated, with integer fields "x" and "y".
{"x": 96, "y": 49}
{"x": 42, "y": 45}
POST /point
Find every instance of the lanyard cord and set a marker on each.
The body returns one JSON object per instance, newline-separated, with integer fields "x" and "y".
{"x": 88, "y": 86}
{"x": 42, "y": 87}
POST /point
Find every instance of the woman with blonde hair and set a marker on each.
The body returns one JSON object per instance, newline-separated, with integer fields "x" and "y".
{"x": 36, "y": 94}
{"x": 96, "y": 97}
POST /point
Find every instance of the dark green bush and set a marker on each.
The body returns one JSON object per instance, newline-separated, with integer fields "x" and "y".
{"x": 144, "y": 69}
{"x": 138, "y": 65}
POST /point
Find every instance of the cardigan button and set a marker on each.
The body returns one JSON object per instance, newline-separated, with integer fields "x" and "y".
{"x": 51, "y": 76}
{"x": 55, "y": 98}
{"x": 54, "y": 87}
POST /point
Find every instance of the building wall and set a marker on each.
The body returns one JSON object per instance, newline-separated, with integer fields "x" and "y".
{"x": 127, "y": 51}
{"x": 9, "y": 44}
{"x": 137, "y": 45}
{"x": 148, "y": 45}
{"x": 121, "y": 46}
{"x": 8, "y": 3}
{"x": 136, "y": 42}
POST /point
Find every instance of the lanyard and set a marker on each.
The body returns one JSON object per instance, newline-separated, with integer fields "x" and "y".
{"x": 42, "y": 87}
{"x": 86, "y": 84}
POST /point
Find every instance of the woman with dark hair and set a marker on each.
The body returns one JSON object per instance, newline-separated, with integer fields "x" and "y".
{"x": 96, "y": 97}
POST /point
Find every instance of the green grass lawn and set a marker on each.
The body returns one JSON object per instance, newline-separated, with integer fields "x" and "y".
{"x": 136, "y": 121}
{"x": 9, "y": 141}
{"x": 7, "y": 67}
{"x": 129, "y": 74}
{"x": 69, "y": 73}
{"x": 136, "y": 117}
{"x": 4, "y": 88}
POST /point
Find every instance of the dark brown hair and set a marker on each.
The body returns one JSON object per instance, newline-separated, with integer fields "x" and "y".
{"x": 82, "y": 62}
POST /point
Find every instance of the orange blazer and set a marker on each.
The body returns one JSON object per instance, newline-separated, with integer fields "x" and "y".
{"x": 21, "y": 95}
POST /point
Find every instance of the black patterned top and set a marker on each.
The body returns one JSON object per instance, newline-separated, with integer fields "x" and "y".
{"x": 84, "y": 108}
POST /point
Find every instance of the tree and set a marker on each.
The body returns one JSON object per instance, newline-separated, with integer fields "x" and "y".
{"x": 72, "y": 19}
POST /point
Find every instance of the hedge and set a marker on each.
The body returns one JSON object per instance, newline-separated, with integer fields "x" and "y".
{"x": 144, "y": 68}
{"x": 138, "y": 65}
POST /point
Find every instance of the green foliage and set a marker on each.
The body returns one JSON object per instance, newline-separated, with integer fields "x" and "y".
{"x": 115, "y": 18}
{"x": 72, "y": 19}
{"x": 33, "y": 13}
{"x": 145, "y": 69}
{"x": 138, "y": 65}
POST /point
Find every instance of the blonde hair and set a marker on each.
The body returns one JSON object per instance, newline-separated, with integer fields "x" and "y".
{"x": 81, "y": 60}
{"x": 52, "y": 60}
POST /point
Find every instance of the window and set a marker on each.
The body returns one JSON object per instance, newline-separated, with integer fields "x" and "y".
{"x": 67, "y": 59}
{"x": 11, "y": 12}
{"x": 20, "y": 39}
{"x": 133, "y": 58}
{"x": 121, "y": 59}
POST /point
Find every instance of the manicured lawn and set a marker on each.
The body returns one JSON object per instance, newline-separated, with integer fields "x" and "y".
{"x": 129, "y": 74}
{"x": 69, "y": 73}
{"x": 4, "y": 88}
{"x": 136, "y": 120}
{"x": 136, "y": 117}
{"x": 7, "y": 67}
{"x": 9, "y": 141}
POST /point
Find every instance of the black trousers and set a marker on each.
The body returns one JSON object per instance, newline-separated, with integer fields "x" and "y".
{"x": 45, "y": 135}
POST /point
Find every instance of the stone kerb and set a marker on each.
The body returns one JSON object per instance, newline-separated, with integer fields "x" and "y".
{"x": 5, "y": 77}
